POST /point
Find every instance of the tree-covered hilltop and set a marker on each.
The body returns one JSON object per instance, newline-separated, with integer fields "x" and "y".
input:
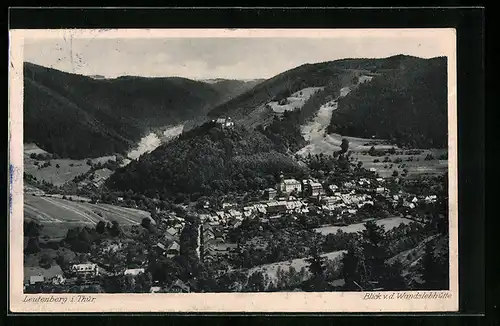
{"x": 207, "y": 160}
{"x": 407, "y": 105}
{"x": 77, "y": 116}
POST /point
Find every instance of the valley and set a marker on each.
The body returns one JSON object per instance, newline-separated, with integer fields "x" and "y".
{"x": 226, "y": 185}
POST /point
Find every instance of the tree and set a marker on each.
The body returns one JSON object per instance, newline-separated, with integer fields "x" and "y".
{"x": 374, "y": 250}
{"x": 32, "y": 229}
{"x": 100, "y": 227}
{"x": 434, "y": 270}
{"x": 45, "y": 261}
{"x": 354, "y": 269}
{"x": 58, "y": 166}
{"x": 395, "y": 173}
{"x": 146, "y": 223}
{"x": 115, "y": 229}
{"x": 256, "y": 282}
{"x": 344, "y": 146}
{"x": 316, "y": 264}
{"x": 33, "y": 246}
{"x": 393, "y": 278}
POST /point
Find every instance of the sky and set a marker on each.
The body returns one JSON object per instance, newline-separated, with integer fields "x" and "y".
{"x": 204, "y": 58}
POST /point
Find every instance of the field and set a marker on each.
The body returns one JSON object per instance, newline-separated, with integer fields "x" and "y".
{"x": 67, "y": 170}
{"x": 387, "y": 223}
{"x": 272, "y": 269}
{"x": 417, "y": 166}
{"x": 58, "y": 215}
{"x": 321, "y": 142}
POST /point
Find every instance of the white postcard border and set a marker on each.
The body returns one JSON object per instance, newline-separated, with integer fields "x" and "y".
{"x": 221, "y": 302}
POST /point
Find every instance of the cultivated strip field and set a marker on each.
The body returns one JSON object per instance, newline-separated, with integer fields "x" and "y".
{"x": 48, "y": 210}
{"x": 387, "y": 223}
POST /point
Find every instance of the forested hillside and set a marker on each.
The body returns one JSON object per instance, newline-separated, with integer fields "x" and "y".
{"x": 207, "y": 160}
{"x": 281, "y": 86}
{"x": 407, "y": 105}
{"x": 77, "y": 116}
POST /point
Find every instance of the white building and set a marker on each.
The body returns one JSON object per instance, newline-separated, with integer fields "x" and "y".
{"x": 134, "y": 271}
{"x": 289, "y": 185}
{"x": 224, "y": 122}
{"x": 85, "y": 269}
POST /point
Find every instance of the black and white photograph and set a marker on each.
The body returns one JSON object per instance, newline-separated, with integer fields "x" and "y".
{"x": 211, "y": 162}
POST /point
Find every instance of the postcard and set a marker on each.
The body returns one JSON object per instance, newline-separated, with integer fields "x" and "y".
{"x": 242, "y": 170}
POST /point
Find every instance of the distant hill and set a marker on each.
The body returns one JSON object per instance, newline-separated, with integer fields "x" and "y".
{"x": 250, "y": 106}
{"x": 407, "y": 104}
{"x": 404, "y": 94}
{"x": 231, "y": 88}
{"x": 207, "y": 160}
{"x": 78, "y": 116}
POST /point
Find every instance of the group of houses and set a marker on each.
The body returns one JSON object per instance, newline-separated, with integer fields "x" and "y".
{"x": 224, "y": 122}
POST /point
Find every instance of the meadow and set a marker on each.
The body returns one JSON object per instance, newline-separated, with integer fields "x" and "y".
{"x": 60, "y": 171}
{"x": 387, "y": 223}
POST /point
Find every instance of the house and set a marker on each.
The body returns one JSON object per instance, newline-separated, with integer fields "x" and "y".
{"x": 373, "y": 170}
{"x": 87, "y": 270}
{"x": 160, "y": 248}
{"x": 224, "y": 248}
{"x": 224, "y": 122}
{"x": 313, "y": 188}
{"x": 36, "y": 279}
{"x": 133, "y": 271}
{"x": 58, "y": 279}
{"x": 380, "y": 190}
{"x": 208, "y": 234}
{"x": 155, "y": 289}
{"x": 430, "y": 199}
{"x": 227, "y": 205}
{"x": 179, "y": 287}
{"x": 270, "y": 194}
{"x": 288, "y": 186}
{"x": 328, "y": 200}
{"x": 173, "y": 249}
{"x": 348, "y": 184}
{"x": 120, "y": 198}
{"x": 235, "y": 214}
{"x": 171, "y": 232}
{"x": 333, "y": 188}
{"x": 414, "y": 200}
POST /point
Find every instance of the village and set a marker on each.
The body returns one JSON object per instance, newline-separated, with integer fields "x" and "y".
{"x": 342, "y": 204}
